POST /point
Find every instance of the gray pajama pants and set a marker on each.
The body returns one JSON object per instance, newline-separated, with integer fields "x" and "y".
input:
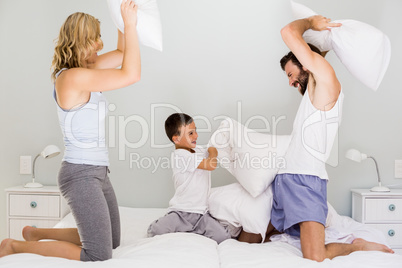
{"x": 93, "y": 203}
{"x": 180, "y": 221}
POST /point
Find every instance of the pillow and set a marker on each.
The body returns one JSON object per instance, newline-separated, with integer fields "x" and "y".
{"x": 234, "y": 205}
{"x": 149, "y": 26}
{"x": 363, "y": 49}
{"x": 253, "y": 158}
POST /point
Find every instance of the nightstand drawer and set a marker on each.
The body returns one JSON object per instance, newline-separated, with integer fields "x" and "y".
{"x": 380, "y": 210}
{"x": 392, "y": 232}
{"x": 16, "y": 226}
{"x": 34, "y": 205}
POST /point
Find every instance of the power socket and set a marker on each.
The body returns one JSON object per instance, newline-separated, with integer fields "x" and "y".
{"x": 25, "y": 164}
{"x": 398, "y": 169}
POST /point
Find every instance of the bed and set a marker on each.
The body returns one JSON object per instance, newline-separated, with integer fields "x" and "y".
{"x": 191, "y": 250}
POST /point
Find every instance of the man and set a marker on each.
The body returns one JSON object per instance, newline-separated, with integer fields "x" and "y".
{"x": 300, "y": 189}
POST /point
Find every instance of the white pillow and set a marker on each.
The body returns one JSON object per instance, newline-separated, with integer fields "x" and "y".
{"x": 253, "y": 158}
{"x": 149, "y": 26}
{"x": 234, "y": 205}
{"x": 363, "y": 49}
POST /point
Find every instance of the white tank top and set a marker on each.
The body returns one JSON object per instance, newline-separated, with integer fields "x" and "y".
{"x": 83, "y": 131}
{"x": 313, "y": 136}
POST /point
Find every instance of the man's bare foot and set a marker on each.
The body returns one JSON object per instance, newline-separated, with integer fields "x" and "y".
{"x": 367, "y": 246}
{"x": 29, "y": 233}
{"x": 6, "y": 248}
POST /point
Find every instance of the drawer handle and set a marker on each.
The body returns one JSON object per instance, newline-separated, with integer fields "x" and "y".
{"x": 391, "y": 207}
{"x": 33, "y": 204}
{"x": 391, "y": 232}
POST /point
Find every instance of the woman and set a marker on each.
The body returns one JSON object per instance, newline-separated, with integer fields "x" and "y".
{"x": 80, "y": 75}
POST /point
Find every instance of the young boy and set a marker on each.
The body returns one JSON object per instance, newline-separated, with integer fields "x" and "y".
{"x": 192, "y": 166}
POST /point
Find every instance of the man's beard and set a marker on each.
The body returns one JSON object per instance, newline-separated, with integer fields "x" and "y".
{"x": 303, "y": 80}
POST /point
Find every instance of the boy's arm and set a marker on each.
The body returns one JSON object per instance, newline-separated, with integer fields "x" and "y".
{"x": 210, "y": 162}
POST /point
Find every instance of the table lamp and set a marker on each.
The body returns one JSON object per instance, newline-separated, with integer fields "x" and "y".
{"x": 357, "y": 156}
{"x": 49, "y": 152}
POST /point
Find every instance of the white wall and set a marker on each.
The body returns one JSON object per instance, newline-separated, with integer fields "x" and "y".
{"x": 218, "y": 55}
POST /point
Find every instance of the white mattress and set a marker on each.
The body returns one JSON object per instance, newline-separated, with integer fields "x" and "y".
{"x": 190, "y": 250}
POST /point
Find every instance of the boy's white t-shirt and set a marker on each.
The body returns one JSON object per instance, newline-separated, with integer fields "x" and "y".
{"x": 192, "y": 185}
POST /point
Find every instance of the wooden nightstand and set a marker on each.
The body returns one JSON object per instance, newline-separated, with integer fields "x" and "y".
{"x": 39, "y": 207}
{"x": 382, "y": 210}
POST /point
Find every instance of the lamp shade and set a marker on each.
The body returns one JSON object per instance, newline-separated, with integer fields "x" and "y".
{"x": 355, "y": 155}
{"x": 50, "y": 151}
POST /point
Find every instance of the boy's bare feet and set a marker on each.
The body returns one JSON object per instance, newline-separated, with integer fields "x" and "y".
{"x": 367, "y": 246}
{"x": 29, "y": 233}
{"x": 6, "y": 248}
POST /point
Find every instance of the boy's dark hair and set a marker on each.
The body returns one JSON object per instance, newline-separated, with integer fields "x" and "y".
{"x": 174, "y": 122}
{"x": 292, "y": 57}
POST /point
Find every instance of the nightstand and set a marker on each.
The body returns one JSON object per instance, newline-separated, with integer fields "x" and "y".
{"x": 382, "y": 210}
{"x": 39, "y": 207}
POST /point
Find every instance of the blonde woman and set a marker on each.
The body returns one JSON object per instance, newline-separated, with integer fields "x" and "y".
{"x": 80, "y": 76}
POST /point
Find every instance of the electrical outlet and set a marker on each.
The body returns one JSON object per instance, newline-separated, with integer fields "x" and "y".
{"x": 25, "y": 164}
{"x": 398, "y": 169}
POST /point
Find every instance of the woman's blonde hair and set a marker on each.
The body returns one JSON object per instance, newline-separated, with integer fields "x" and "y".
{"x": 79, "y": 38}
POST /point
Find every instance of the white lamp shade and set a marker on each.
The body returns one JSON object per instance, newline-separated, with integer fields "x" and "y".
{"x": 355, "y": 155}
{"x": 50, "y": 151}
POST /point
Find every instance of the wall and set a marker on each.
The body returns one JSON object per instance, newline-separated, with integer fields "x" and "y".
{"x": 220, "y": 58}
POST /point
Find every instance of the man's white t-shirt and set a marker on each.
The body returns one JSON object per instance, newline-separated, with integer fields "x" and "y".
{"x": 191, "y": 185}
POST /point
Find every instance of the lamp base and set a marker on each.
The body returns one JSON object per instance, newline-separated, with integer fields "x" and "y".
{"x": 33, "y": 185}
{"x": 380, "y": 189}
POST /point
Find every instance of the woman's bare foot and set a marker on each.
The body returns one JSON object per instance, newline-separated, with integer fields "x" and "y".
{"x": 30, "y": 233}
{"x": 6, "y": 248}
{"x": 367, "y": 246}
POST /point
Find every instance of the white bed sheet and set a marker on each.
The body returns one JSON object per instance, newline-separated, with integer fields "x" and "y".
{"x": 234, "y": 254}
{"x": 190, "y": 250}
